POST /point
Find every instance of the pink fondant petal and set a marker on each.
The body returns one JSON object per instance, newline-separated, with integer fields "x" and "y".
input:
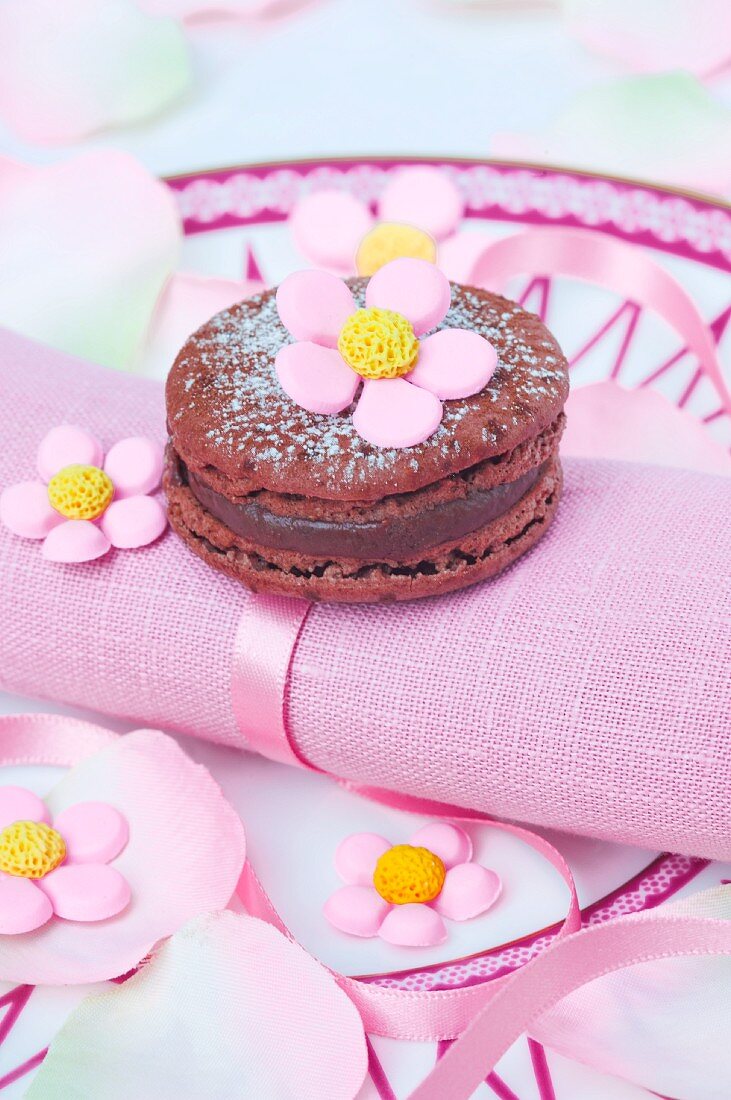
{"x": 228, "y": 1008}
{"x": 136, "y": 521}
{"x": 317, "y": 378}
{"x": 328, "y": 226}
{"x": 449, "y": 842}
{"x": 393, "y": 413}
{"x": 357, "y": 910}
{"x": 135, "y": 466}
{"x": 413, "y": 925}
{"x": 23, "y": 907}
{"x": 314, "y": 305}
{"x": 86, "y": 891}
{"x": 25, "y": 510}
{"x": 357, "y": 855}
{"x": 75, "y": 540}
{"x": 184, "y": 857}
{"x": 67, "y": 445}
{"x": 414, "y": 288}
{"x": 18, "y": 804}
{"x": 454, "y": 362}
{"x": 468, "y": 890}
{"x": 425, "y": 197}
{"x": 94, "y": 832}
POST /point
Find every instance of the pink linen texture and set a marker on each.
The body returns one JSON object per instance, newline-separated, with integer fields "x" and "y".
{"x": 586, "y": 689}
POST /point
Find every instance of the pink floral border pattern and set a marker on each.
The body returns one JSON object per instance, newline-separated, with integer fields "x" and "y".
{"x": 686, "y": 225}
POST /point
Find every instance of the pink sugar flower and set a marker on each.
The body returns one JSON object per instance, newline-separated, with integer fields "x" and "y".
{"x": 402, "y": 892}
{"x": 84, "y": 504}
{"x": 60, "y": 869}
{"x": 337, "y": 231}
{"x": 406, "y": 374}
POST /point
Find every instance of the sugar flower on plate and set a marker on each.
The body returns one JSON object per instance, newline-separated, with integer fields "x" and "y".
{"x": 418, "y": 216}
{"x": 402, "y": 892}
{"x": 405, "y": 374}
{"x": 134, "y": 841}
{"x": 84, "y": 504}
{"x": 61, "y": 868}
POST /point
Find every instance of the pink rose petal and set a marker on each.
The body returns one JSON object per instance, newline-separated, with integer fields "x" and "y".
{"x": 134, "y": 522}
{"x": 228, "y": 1008}
{"x": 656, "y": 35}
{"x": 454, "y": 362}
{"x": 135, "y": 466}
{"x": 469, "y": 889}
{"x": 187, "y": 302}
{"x": 449, "y": 842}
{"x": 75, "y": 540}
{"x": 87, "y": 245}
{"x": 458, "y": 255}
{"x": 415, "y": 288}
{"x": 86, "y": 891}
{"x": 393, "y": 413}
{"x": 26, "y": 511}
{"x": 23, "y": 907}
{"x": 413, "y": 925}
{"x": 103, "y": 64}
{"x": 423, "y": 196}
{"x": 604, "y": 420}
{"x": 317, "y": 378}
{"x": 357, "y": 910}
{"x": 314, "y": 305}
{"x": 94, "y": 832}
{"x": 18, "y": 804}
{"x": 357, "y": 855}
{"x": 184, "y": 857}
{"x": 328, "y": 226}
{"x": 67, "y": 445}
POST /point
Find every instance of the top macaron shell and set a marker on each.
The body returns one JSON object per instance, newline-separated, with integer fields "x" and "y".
{"x": 227, "y": 410}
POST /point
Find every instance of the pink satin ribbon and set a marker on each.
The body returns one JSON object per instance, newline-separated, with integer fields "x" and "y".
{"x": 598, "y": 258}
{"x": 488, "y": 1018}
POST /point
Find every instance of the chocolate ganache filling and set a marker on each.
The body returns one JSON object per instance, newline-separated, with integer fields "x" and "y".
{"x": 393, "y": 539}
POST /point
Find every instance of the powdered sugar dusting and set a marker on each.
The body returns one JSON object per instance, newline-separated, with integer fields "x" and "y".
{"x": 226, "y": 372}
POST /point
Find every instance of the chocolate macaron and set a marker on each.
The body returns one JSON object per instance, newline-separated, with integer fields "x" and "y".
{"x": 366, "y": 441}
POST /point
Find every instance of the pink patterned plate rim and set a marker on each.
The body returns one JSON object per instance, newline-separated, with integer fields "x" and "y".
{"x": 691, "y": 225}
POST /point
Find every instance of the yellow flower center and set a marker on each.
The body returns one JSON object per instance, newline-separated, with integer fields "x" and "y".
{"x": 405, "y": 874}
{"x": 390, "y": 241}
{"x": 378, "y": 343}
{"x": 80, "y": 492}
{"x": 30, "y": 849}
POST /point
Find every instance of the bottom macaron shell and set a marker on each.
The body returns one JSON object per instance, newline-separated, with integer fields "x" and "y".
{"x": 482, "y": 554}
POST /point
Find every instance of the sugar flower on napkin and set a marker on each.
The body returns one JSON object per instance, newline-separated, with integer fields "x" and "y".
{"x": 227, "y": 1007}
{"x": 87, "y": 245}
{"x": 85, "y": 504}
{"x": 663, "y": 127}
{"x": 419, "y": 213}
{"x": 142, "y": 841}
{"x": 74, "y": 68}
{"x": 401, "y": 892}
{"x": 406, "y": 375}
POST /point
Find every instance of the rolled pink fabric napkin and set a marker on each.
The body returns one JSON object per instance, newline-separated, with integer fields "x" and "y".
{"x": 587, "y": 688}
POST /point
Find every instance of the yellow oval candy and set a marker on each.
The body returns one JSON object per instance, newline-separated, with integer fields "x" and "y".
{"x": 391, "y": 241}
